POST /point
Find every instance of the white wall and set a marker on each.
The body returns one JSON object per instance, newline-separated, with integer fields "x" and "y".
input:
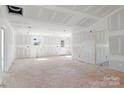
{"x": 9, "y": 47}
{"x": 91, "y": 47}
{"x": 116, "y": 40}
{"x": 0, "y": 48}
{"x": 102, "y": 46}
{"x": 102, "y": 41}
{"x": 0, "y": 54}
{"x": 109, "y": 42}
{"x": 9, "y": 43}
{"x": 48, "y": 45}
{"x": 83, "y": 46}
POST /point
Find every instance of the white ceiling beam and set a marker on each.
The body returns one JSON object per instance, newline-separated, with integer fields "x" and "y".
{"x": 72, "y": 12}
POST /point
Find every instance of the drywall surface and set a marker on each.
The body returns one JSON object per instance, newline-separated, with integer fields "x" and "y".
{"x": 102, "y": 46}
{"x": 9, "y": 43}
{"x": 9, "y": 47}
{"x": 116, "y": 40}
{"x": 48, "y": 45}
{"x": 102, "y": 41}
{"x": 0, "y": 53}
{"x": 92, "y": 47}
{"x": 83, "y": 46}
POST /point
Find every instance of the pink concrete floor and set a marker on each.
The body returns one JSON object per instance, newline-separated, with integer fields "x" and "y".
{"x": 60, "y": 72}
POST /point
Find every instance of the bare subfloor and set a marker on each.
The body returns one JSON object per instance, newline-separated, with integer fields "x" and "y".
{"x": 60, "y": 72}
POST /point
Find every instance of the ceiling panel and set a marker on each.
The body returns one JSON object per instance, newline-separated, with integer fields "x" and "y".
{"x": 85, "y": 22}
{"x": 67, "y": 18}
{"x": 107, "y": 10}
{"x": 88, "y": 23}
{"x": 67, "y": 6}
{"x": 61, "y": 17}
{"x": 31, "y": 11}
{"x": 81, "y": 8}
{"x": 74, "y": 20}
{"x": 94, "y": 9}
{"x": 82, "y": 21}
{"x": 46, "y": 14}
{"x": 101, "y": 10}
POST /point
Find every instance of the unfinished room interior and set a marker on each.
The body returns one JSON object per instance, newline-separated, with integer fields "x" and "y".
{"x": 61, "y": 46}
